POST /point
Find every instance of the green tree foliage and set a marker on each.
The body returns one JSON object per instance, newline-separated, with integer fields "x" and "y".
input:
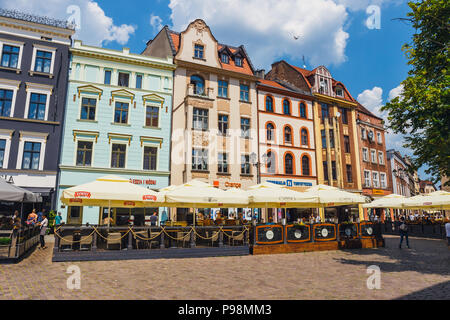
{"x": 422, "y": 111}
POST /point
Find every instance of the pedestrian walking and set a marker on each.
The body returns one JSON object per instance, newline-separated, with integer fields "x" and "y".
{"x": 154, "y": 219}
{"x": 403, "y": 228}
{"x": 43, "y": 224}
{"x": 447, "y": 231}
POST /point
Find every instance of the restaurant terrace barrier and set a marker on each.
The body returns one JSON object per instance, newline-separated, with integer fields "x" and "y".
{"x": 273, "y": 238}
{"x": 431, "y": 230}
{"x": 22, "y": 241}
{"x": 84, "y": 243}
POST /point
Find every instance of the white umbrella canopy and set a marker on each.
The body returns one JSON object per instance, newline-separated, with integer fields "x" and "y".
{"x": 198, "y": 194}
{"x": 111, "y": 191}
{"x": 13, "y": 193}
{"x": 271, "y": 195}
{"x": 329, "y": 196}
{"x": 392, "y": 200}
{"x": 435, "y": 200}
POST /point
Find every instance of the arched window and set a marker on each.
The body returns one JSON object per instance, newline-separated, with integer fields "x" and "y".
{"x": 286, "y": 107}
{"x": 269, "y": 104}
{"x": 270, "y": 162}
{"x": 302, "y": 110}
{"x": 270, "y": 128}
{"x": 304, "y": 137}
{"x": 199, "y": 84}
{"x": 287, "y": 135}
{"x": 305, "y": 166}
{"x": 288, "y": 164}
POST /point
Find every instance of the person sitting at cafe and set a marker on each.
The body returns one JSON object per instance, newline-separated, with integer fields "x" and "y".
{"x": 241, "y": 218}
{"x": 108, "y": 220}
{"x": 32, "y": 218}
{"x": 219, "y": 219}
{"x": 154, "y": 219}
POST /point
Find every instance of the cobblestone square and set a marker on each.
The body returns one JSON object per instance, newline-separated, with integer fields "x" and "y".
{"x": 422, "y": 272}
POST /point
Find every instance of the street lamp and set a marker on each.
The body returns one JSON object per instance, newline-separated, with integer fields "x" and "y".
{"x": 254, "y": 161}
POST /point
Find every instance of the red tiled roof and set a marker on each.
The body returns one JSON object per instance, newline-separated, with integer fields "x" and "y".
{"x": 271, "y": 83}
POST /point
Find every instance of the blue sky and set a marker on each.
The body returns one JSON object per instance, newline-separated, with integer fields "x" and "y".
{"x": 330, "y": 32}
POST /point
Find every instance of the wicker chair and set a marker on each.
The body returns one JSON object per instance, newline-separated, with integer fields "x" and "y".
{"x": 66, "y": 240}
{"x": 215, "y": 237}
{"x": 239, "y": 237}
{"x": 185, "y": 237}
{"x": 113, "y": 239}
{"x": 139, "y": 241}
{"x": 86, "y": 240}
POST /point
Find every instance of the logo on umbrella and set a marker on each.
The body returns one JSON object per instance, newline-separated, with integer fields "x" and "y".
{"x": 76, "y": 200}
{"x": 128, "y": 203}
{"x": 149, "y": 197}
{"x": 82, "y": 194}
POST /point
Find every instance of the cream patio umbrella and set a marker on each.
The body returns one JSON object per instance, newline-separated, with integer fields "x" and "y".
{"x": 435, "y": 200}
{"x": 111, "y": 191}
{"x": 393, "y": 200}
{"x": 329, "y": 196}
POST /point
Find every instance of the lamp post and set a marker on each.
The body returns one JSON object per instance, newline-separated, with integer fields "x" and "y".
{"x": 257, "y": 164}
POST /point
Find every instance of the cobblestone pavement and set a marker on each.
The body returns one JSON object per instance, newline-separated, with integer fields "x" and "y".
{"x": 422, "y": 272}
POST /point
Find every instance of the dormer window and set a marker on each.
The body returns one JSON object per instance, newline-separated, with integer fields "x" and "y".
{"x": 224, "y": 58}
{"x": 323, "y": 85}
{"x": 198, "y": 51}
{"x": 238, "y": 61}
{"x": 339, "y": 92}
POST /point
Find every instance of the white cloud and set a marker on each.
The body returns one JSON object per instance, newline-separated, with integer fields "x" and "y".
{"x": 156, "y": 23}
{"x": 95, "y": 26}
{"x": 372, "y": 100}
{"x": 267, "y": 28}
{"x": 397, "y": 91}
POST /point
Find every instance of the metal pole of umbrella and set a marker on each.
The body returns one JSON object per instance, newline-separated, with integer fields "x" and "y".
{"x": 109, "y": 213}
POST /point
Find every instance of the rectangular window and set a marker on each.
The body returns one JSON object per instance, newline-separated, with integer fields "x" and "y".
{"x": 380, "y": 157}
{"x": 5, "y": 102}
{"x": 150, "y": 156}
{"x": 2, "y": 151}
{"x": 333, "y": 169}
{"x": 373, "y": 156}
{"x": 43, "y": 61}
{"x": 118, "y": 155}
{"x": 238, "y": 61}
{"x": 121, "y": 112}
{"x": 88, "y": 107}
{"x": 107, "y": 77}
{"x": 244, "y": 93}
{"x": 349, "y": 173}
{"x": 31, "y": 155}
{"x": 200, "y": 119}
{"x": 383, "y": 179}
{"x": 331, "y": 138}
{"x": 245, "y": 127}
{"x": 365, "y": 153}
{"x": 200, "y": 159}
{"x": 379, "y": 139}
{"x": 344, "y": 115}
{"x": 347, "y": 144}
{"x": 37, "y": 106}
{"x": 375, "y": 179}
{"x": 10, "y": 56}
{"x": 325, "y": 170}
{"x": 152, "y": 116}
{"x": 222, "y": 165}
{"x": 223, "y": 124}
{"x": 224, "y": 58}
{"x": 363, "y": 133}
{"x": 367, "y": 178}
{"x": 198, "y": 51}
{"x": 223, "y": 89}
{"x": 139, "y": 81}
{"x": 339, "y": 92}
{"x": 124, "y": 79}
{"x": 84, "y": 153}
{"x": 324, "y": 139}
{"x": 324, "y": 112}
{"x": 245, "y": 164}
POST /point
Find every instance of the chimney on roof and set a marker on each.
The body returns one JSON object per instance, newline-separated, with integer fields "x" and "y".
{"x": 260, "y": 73}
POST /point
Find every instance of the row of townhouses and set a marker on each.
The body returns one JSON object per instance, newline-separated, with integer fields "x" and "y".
{"x": 187, "y": 107}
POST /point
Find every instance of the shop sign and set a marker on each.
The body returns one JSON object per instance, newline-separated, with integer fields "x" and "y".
{"x": 8, "y": 179}
{"x": 129, "y": 203}
{"x": 377, "y": 191}
{"x": 291, "y": 183}
{"x": 82, "y": 194}
{"x": 232, "y": 184}
{"x": 143, "y": 181}
{"x": 76, "y": 200}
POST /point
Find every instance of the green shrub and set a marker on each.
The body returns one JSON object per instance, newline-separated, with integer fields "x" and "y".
{"x": 4, "y": 241}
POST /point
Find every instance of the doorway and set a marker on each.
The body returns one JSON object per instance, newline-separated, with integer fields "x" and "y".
{"x": 74, "y": 215}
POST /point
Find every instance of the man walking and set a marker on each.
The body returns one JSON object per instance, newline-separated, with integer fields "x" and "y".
{"x": 43, "y": 224}
{"x": 403, "y": 232}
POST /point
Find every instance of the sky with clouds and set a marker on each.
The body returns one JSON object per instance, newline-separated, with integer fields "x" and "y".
{"x": 359, "y": 41}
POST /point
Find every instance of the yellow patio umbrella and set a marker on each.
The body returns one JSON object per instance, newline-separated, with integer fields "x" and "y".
{"x": 111, "y": 191}
{"x": 435, "y": 200}
{"x": 393, "y": 200}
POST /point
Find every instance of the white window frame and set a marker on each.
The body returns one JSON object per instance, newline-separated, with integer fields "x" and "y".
{"x": 14, "y": 86}
{"x": 6, "y": 134}
{"x": 380, "y": 157}
{"x": 114, "y": 141}
{"x": 365, "y": 154}
{"x": 373, "y": 152}
{"x": 379, "y": 139}
{"x": 94, "y": 96}
{"x": 86, "y": 139}
{"x": 342, "y": 91}
{"x": 368, "y": 185}
{"x": 26, "y": 136}
{"x": 152, "y": 104}
{"x": 15, "y": 44}
{"x": 153, "y": 144}
{"x": 383, "y": 182}
{"x": 363, "y": 133}
{"x": 39, "y": 47}
{"x": 40, "y": 89}
{"x": 377, "y": 180}
{"x": 114, "y": 110}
